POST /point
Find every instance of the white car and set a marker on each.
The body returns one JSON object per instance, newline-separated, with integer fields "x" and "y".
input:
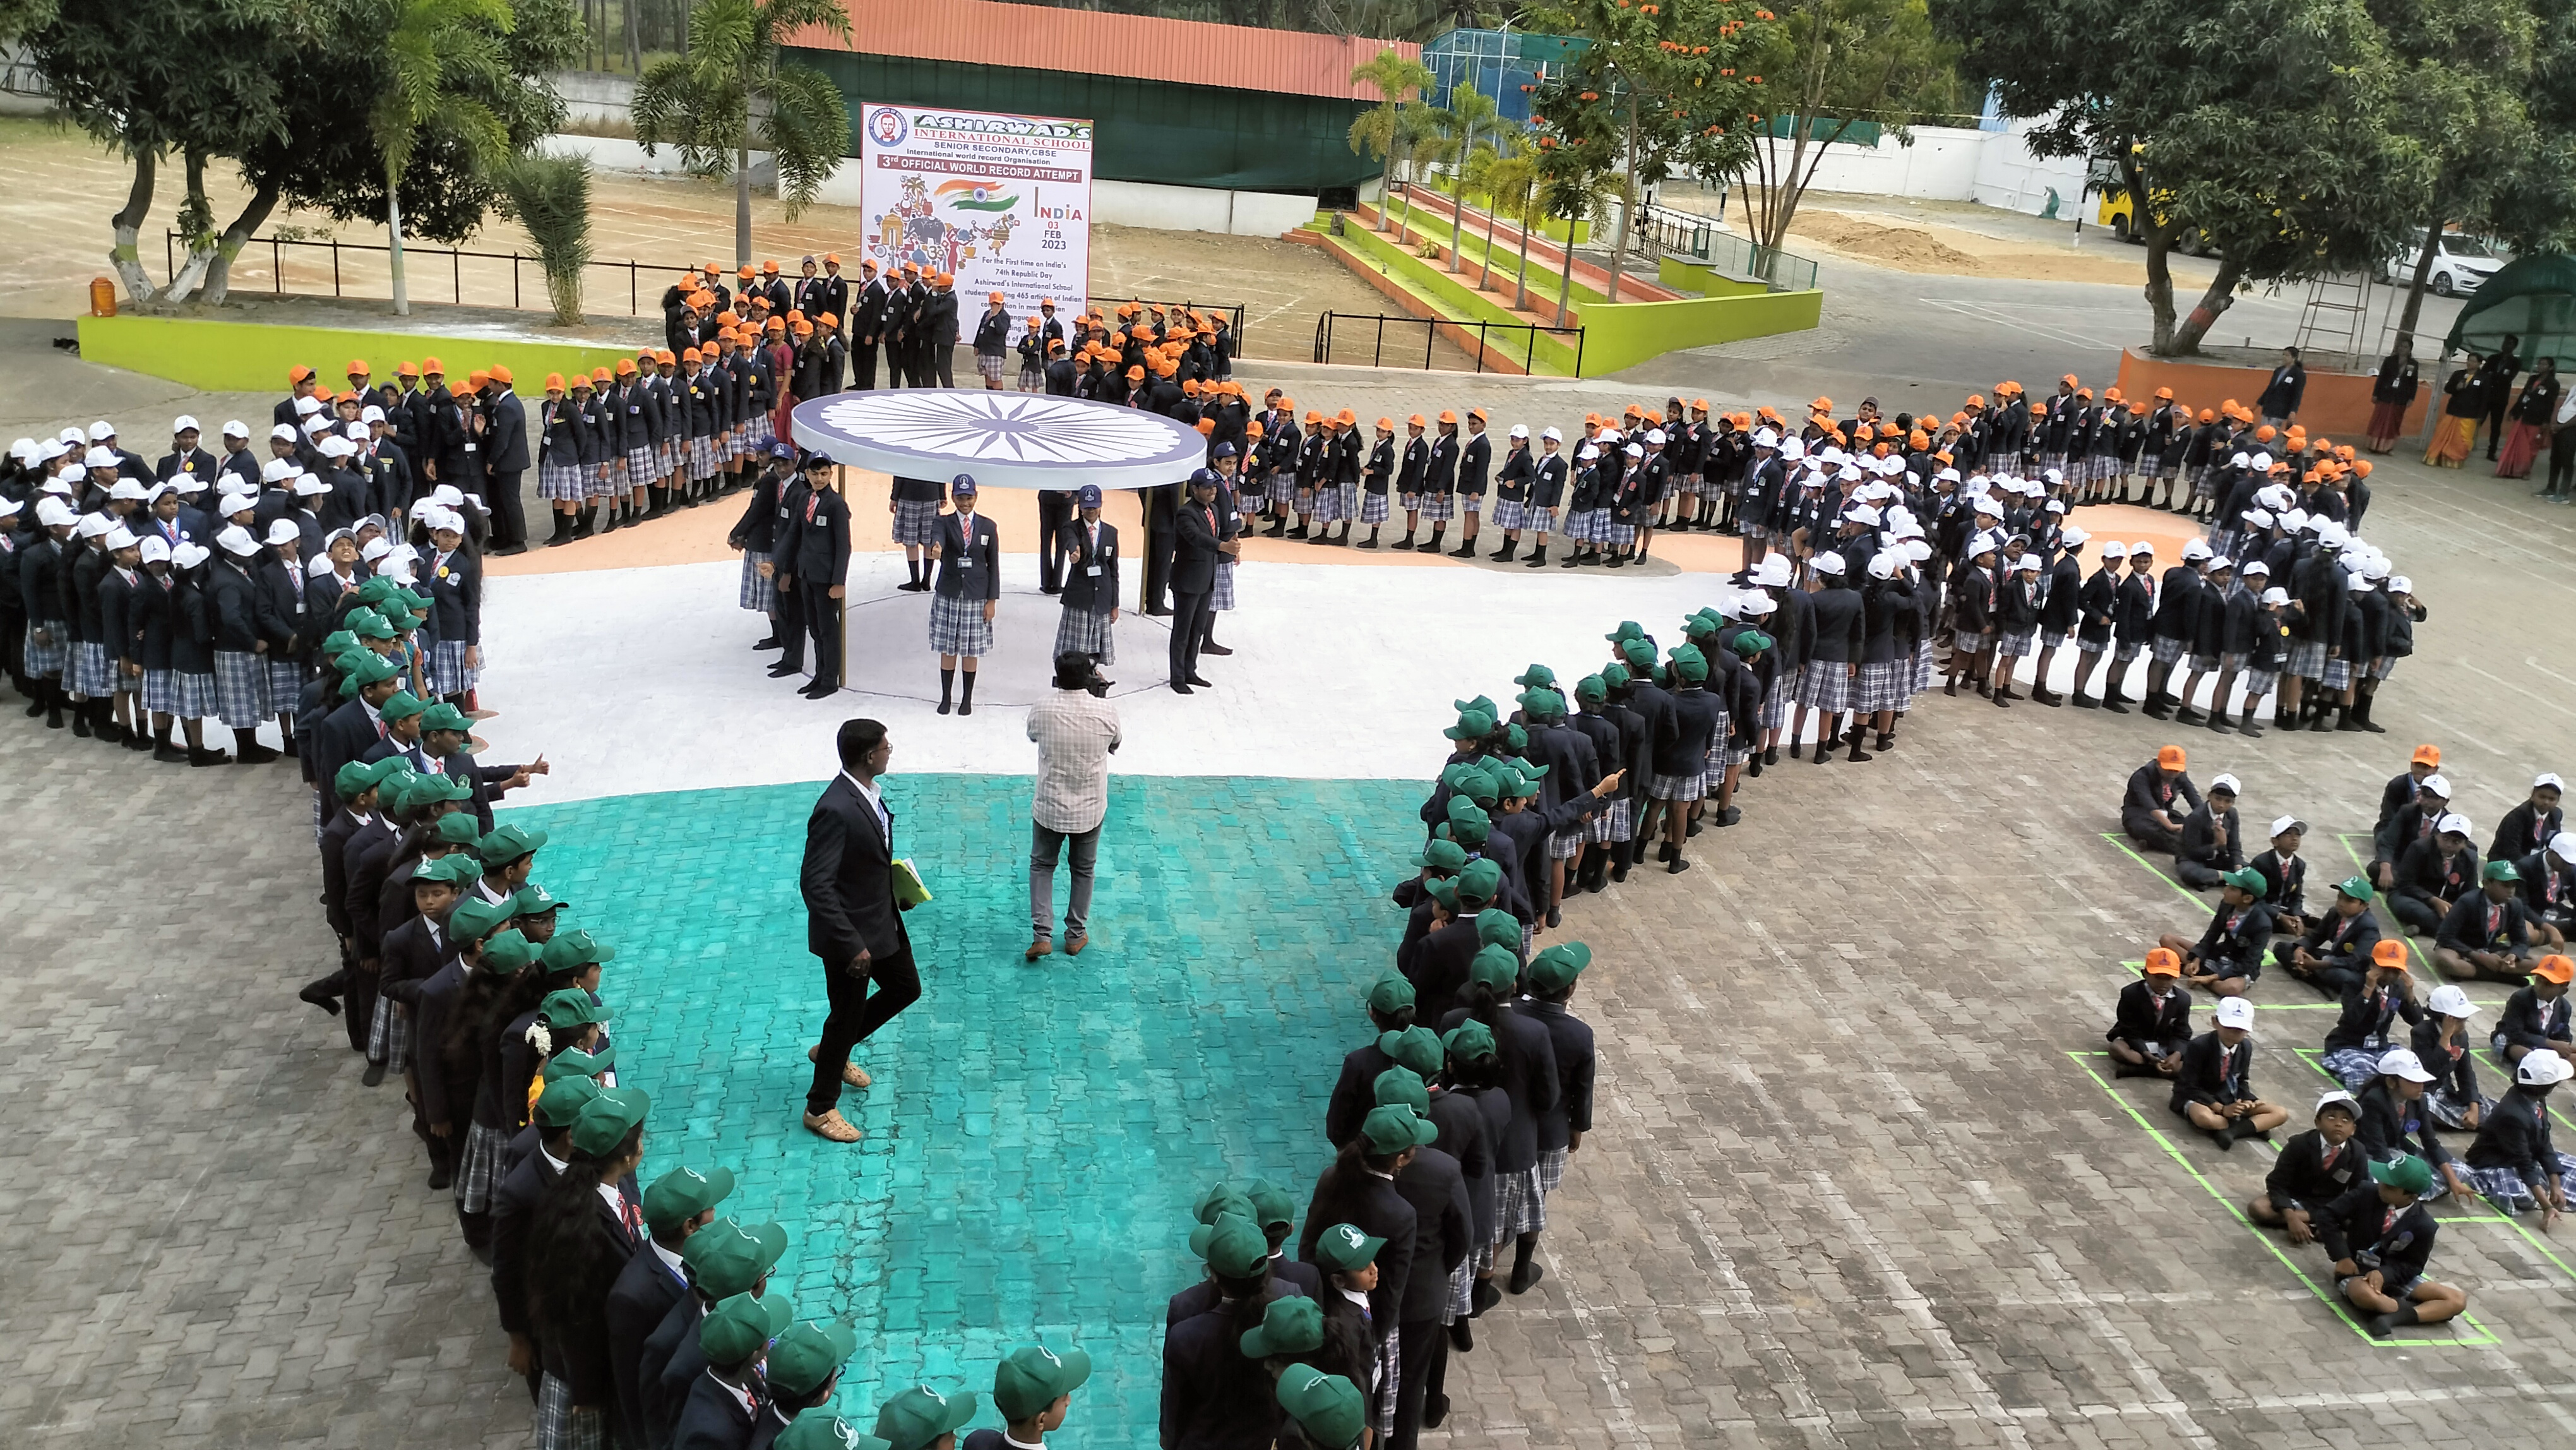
{"x": 2461, "y": 265}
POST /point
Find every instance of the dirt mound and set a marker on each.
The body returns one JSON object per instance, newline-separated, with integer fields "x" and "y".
{"x": 1909, "y": 249}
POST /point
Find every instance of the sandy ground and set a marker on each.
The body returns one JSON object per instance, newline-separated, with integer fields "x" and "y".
{"x": 1955, "y": 239}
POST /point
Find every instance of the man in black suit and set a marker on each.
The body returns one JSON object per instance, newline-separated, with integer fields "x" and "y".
{"x": 812, "y": 570}
{"x": 505, "y": 453}
{"x": 867, "y": 327}
{"x": 939, "y": 335}
{"x": 1196, "y": 542}
{"x": 851, "y": 921}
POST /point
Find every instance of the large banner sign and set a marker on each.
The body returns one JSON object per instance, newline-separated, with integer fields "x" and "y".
{"x": 1003, "y": 202}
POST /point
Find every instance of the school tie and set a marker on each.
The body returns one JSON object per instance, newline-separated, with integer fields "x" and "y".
{"x": 633, "y": 1218}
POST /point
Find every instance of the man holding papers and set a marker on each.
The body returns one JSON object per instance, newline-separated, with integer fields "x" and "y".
{"x": 855, "y": 891}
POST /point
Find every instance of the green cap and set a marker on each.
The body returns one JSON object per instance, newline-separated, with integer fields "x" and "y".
{"x": 474, "y": 918}
{"x": 2356, "y": 887}
{"x": 570, "y": 951}
{"x": 1495, "y": 967}
{"x": 1472, "y": 725}
{"x": 1510, "y": 784}
{"x": 1615, "y": 675}
{"x": 807, "y": 1353}
{"x": 509, "y": 843}
{"x": 607, "y": 1118}
{"x": 1294, "y": 1325}
{"x": 1415, "y": 1047}
{"x": 1272, "y": 1207}
{"x": 1700, "y": 625}
{"x": 1032, "y": 1378}
{"x": 535, "y": 900}
{"x": 1220, "y": 1200}
{"x": 1482, "y": 878}
{"x": 1444, "y": 889}
{"x": 1554, "y": 969}
{"x": 1690, "y": 664}
{"x": 506, "y": 952}
{"x": 1498, "y": 928}
{"x": 739, "y": 1327}
{"x": 1628, "y": 629}
{"x": 368, "y": 624}
{"x": 1536, "y": 677}
{"x": 1752, "y": 642}
{"x": 1591, "y": 690}
{"x": 1543, "y": 704}
{"x": 1470, "y": 1040}
{"x": 378, "y": 588}
{"x": 2407, "y": 1172}
{"x": 2499, "y": 871}
{"x": 573, "y": 1062}
{"x": 1233, "y": 1245}
{"x": 354, "y": 779}
{"x": 571, "y": 1007}
{"x": 366, "y": 669}
{"x": 1402, "y": 1085}
{"x": 1516, "y": 740}
{"x": 1394, "y": 1128}
{"x": 1345, "y": 1247}
{"x": 1469, "y": 827}
{"x": 2246, "y": 878}
{"x": 684, "y": 1193}
{"x": 1440, "y": 855}
{"x": 400, "y": 705}
{"x": 726, "y": 1257}
{"x": 453, "y": 869}
{"x": 1481, "y": 703}
{"x": 560, "y": 1105}
{"x": 426, "y": 789}
{"x": 1327, "y": 1407}
{"x": 818, "y": 1429}
{"x": 1639, "y": 653}
{"x": 1390, "y": 994}
{"x": 340, "y": 642}
{"x": 920, "y": 1415}
{"x": 444, "y": 716}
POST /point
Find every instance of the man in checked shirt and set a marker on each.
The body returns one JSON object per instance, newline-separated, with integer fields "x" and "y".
{"x": 1075, "y": 730}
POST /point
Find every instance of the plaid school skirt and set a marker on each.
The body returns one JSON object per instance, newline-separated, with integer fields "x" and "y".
{"x": 1390, "y": 1364}
{"x": 1688, "y": 787}
{"x": 1510, "y": 514}
{"x": 241, "y": 689}
{"x": 1281, "y": 486}
{"x": 44, "y": 659}
{"x": 1616, "y": 821}
{"x": 285, "y": 682}
{"x": 1372, "y": 507}
{"x": 2259, "y": 683}
{"x": 641, "y": 467}
{"x": 2383, "y": 667}
{"x": 762, "y": 430}
{"x": 2337, "y": 674}
{"x": 2169, "y": 465}
{"x": 958, "y": 626}
{"x": 559, "y": 482}
{"x": 603, "y": 480}
{"x": 1565, "y": 845}
{"x": 168, "y": 692}
{"x": 2505, "y": 1188}
{"x": 1551, "y": 1168}
{"x": 1330, "y": 504}
{"x": 563, "y": 1425}
{"x": 759, "y": 594}
{"x": 389, "y": 1035}
{"x": 1825, "y": 685}
{"x": 1032, "y": 380}
{"x": 1079, "y": 631}
{"x": 1222, "y": 596}
{"x": 2204, "y": 484}
{"x": 91, "y": 672}
{"x": 667, "y": 455}
{"x": 1462, "y": 1292}
{"x": 1777, "y": 700}
{"x": 448, "y": 672}
{"x": 478, "y": 1167}
{"x": 1539, "y": 521}
{"x": 2011, "y": 646}
{"x": 916, "y": 520}
{"x": 1617, "y": 535}
{"x": 2165, "y": 650}
{"x": 703, "y": 457}
{"x": 2049, "y": 460}
{"x": 1520, "y": 1203}
{"x": 2354, "y": 1067}
{"x": 2307, "y": 659}
{"x": 2450, "y": 1111}
{"x": 1588, "y": 526}
{"x": 1883, "y": 686}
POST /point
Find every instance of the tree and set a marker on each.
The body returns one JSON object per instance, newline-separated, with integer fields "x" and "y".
{"x": 550, "y": 196}
{"x": 1469, "y": 110}
{"x": 2538, "y": 212}
{"x": 1834, "y": 64}
{"x": 731, "y": 86}
{"x": 2463, "y": 67}
{"x": 438, "y": 53}
{"x": 1387, "y": 130}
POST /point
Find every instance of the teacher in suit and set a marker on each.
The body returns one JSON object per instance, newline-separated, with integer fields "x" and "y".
{"x": 851, "y": 921}
{"x": 505, "y": 453}
{"x": 1197, "y": 539}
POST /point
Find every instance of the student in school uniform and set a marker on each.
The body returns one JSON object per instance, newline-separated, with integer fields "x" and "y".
{"x": 2314, "y": 1168}
{"x": 2535, "y": 1017}
{"x": 2160, "y": 798}
{"x": 2487, "y": 935}
{"x": 2337, "y": 949}
{"x": 2228, "y": 956}
{"x": 2213, "y": 1086}
{"x": 724, "y": 1404}
{"x": 2151, "y": 1025}
{"x": 2363, "y": 1033}
{"x": 2395, "y": 1124}
{"x": 811, "y": 571}
{"x": 1212, "y": 1386}
{"x": 2212, "y": 842}
{"x": 2285, "y": 873}
{"x": 1551, "y": 978}
{"x": 723, "y": 1260}
{"x": 2381, "y": 1240}
{"x": 1091, "y": 584}
{"x": 2533, "y": 824}
{"x": 968, "y": 592}
{"x": 2442, "y": 1042}
{"x": 2514, "y": 1161}
{"x": 1443, "y": 1242}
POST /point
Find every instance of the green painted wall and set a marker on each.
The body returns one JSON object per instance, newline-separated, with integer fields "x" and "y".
{"x": 222, "y": 356}
{"x": 1692, "y": 277}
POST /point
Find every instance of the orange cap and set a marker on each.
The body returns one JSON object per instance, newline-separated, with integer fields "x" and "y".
{"x": 2554, "y": 968}
{"x": 2263, "y": 434}
{"x": 626, "y": 367}
{"x": 1206, "y": 425}
{"x": 358, "y": 368}
{"x": 2207, "y": 416}
{"x": 2111, "y": 395}
{"x": 297, "y": 374}
{"x": 581, "y": 380}
{"x": 803, "y": 329}
{"x": 993, "y": 297}
{"x": 770, "y": 267}
{"x": 2163, "y": 962}
{"x": 831, "y": 259}
{"x": 2426, "y": 755}
{"x": 501, "y": 374}
{"x": 743, "y": 271}
{"x": 691, "y": 354}
{"x": 2389, "y": 952}
{"x": 406, "y": 370}
{"x": 779, "y": 324}
{"x": 478, "y": 377}
{"x": 711, "y": 269}
{"x": 1416, "y": 421}
{"x": 1387, "y": 425}
{"x": 947, "y": 279}
{"x": 828, "y": 320}
{"x": 1447, "y": 416}
{"x": 663, "y": 355}
{"x": 1135, "y": 372}
{"x": 2169, "y": 758}
{"x": 727, "y": 319}
{"x": 599, "y": 375}
{"x": 2068, "y": 380}
{"x": 2165, "y": 393}
{"x": 554, "y": 382}
{"x": 1313, "y": 417}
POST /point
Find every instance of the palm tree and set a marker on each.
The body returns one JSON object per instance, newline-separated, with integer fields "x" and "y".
{"x": 1510, "y": 182}
{"x": 444, "y": 53}
{"x": 706, "y": 102}
{"x": 1386, "y": 130}
{"x": 550, "y": 195}
{"x": 1468, "y": 110}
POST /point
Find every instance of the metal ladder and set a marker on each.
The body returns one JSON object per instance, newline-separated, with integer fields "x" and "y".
{"x": 2336, "y": 318}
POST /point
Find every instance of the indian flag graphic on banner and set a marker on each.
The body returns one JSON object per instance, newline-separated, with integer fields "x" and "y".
{"x": 963, "y": 195}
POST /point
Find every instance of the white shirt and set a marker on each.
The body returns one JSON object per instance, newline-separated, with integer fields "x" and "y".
{"x": 670, "y": 1260}
{"x": 1075, "y": 731}
{"x": 876, "y": 803}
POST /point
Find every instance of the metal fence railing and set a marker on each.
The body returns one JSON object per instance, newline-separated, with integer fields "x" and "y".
{"x": 1233, "y": 311}
{"x": 1392, "y": 341}
{"x": 1689, "y": 234}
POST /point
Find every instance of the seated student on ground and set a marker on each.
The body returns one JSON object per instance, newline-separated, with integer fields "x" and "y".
{"x": 2399, "y": 793}
{"x": 2549, "y": 886}
{"x": 2442, "y": 1042}
{"x": 2486, "y": 937}
{"x": 2535, "y": 1018}
{"x": 2415, "y": 821}
{"x": 2381, "y": 1238}
{"x": 2159, "y": 799}
{"x": 2394, "y": 1123}
{"x": 2228, "y": 957}
{"x": 2529, "y": 826}
{"x": 2214, "y": 1087}
{"x": 2360, "y": 1036}
{"x": 2434, "y": 874}
{"x": 2337, "y": 948}
{"x": 2213, "y": 841}
{"x": 2314, "y": 1169}
{"x": 2514, "y": 1160}
{"x": 2152, "y": 1025}
{"x": 2285, "y": 876}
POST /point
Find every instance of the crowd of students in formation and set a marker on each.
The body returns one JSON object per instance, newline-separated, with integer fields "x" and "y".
{"x": 157, "y": 605}
{"x": 2522, "y": 425}
{"x": 2358, "y": 1182}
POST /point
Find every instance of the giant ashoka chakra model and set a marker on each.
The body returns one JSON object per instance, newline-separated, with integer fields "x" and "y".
{"x": 1007, "y": 440}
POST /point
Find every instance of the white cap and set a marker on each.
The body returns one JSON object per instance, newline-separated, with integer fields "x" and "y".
{"x": 2563, "y": 846}
{"x": 2328, "y": 1100}
{"x": 2194, "y": 550}
{"x": 446, "y": 519}
{"x": 1882, "y": 565}
{"x": 2438, "y": 783}
{"x": 2026, "y": 564}
{"x": 186, "y": 484}
{"x": 1916, "y": 550}
{"x": 2237, "y": 1012}
{"x": 1551, "y": 435}
{"x": 2254, "y": 567}
{"x": 1765, "y": 438}
{"x": 2240, "y": 459}
{"x": 1830, "y": 565}
{"x": 189, "y": 556}
{"x": 167, "y": 485}
{"x": 127, "y": 488}
{"x": 2330, "y": 535}
{"x": 2288, "y": 823}
{"x": 236, "y": 429}
{"x": 1655, "y": 436}
{"x": 1586, "y": 453}
{"x": 66, "y": 476}
{"x": 1947, "y": 475}
{"x": 2404, "y": 1063}
{"x": 2453, "y": 823}
{"x": 2292, "y": 520}
{"x": 2227, "y": 783}
{"x": 2543, "y": 1069}
{"x": 318, "y": 424}
{"x": 73, "y": 435}
{"x": 2113, "y": 549}
{"x": 2222, "y": 562}
{"x": 374, "y": 549}
{"x": 91, "y": 526}
{"x": 284, "y": 531}
{"x": 371, "y": 414}
{"x": 1986, "y": 505}
{"x": 447, "y": 495}
{"x": 237, "y": 540}
{"x": 2276, "y": 595}
{"x": 2259, "y": 518}
{"x": 2262, "y": 459}
{"x": 284, "y": 433}
{"x": 336, "y": 446}
{"x": 1793, "y": 449}
{"x": 2375, "y": 568}
{"x": 24, "y": 450}
{"x": 1865, "y": 516}
{"x": 358, "y": 434}
{"x": 2400, "y": 584}
{"x": 1773, "y": 572}
{"x": 118, "y": 536}
{"x": 10, "y": 506}
{"x": 2548, "y": 778}
{"x": 2358, "y": 583}
{"x": 307, "y": 404}
{"x": 184, "y": 424}
{"x": 101, "y": 431}
{"x": 310, "y": 486}
{"x": 1984, "y": 541}
{"x": 100, "y": 458}
{"x": 2449, "y": 1001}
{"x": 321, "y": 561}
{"x": 1635, "y": 450}
{"x": 156, "y": 550}
{"x": 1753, "y": 604}
{"x": 2053, "y": 475}
{"x": 2054, "y": 506}
{"x": 234, "y": 500}
{"x": 51, "y": 511}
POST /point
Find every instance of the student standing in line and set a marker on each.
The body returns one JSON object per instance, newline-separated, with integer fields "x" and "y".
{"x": 968, "y": 551}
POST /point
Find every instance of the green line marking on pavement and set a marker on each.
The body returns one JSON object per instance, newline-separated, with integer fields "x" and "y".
{"x": 2121, "y": 841}
{"x": 2485, "y": 1336}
